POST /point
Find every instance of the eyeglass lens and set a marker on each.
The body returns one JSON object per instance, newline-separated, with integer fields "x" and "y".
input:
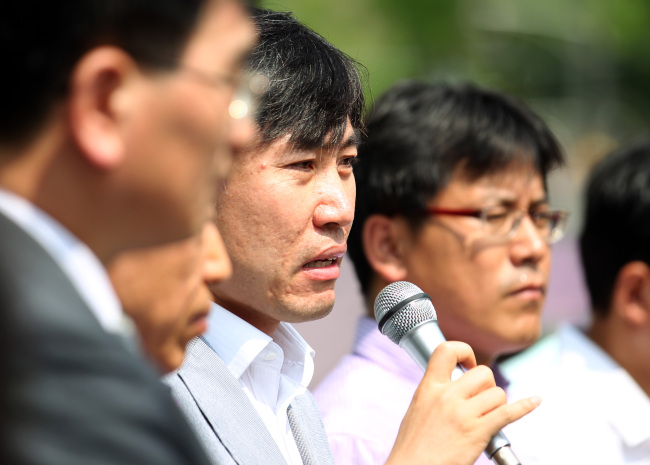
{"x": 550, "y": 225}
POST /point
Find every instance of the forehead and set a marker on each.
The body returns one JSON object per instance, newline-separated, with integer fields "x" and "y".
{"x": 284, "y": 146}
{"x": 515, "y": 183}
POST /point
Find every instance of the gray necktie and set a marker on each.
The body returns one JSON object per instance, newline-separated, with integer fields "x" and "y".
{"x": 308, "y": 432}
{"x": 299, "y": 437}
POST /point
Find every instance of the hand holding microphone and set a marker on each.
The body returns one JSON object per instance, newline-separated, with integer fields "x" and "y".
{"x": 455, "y": 413}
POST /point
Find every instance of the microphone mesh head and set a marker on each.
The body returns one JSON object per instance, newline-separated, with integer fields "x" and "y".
{"x": 406, "y": 318}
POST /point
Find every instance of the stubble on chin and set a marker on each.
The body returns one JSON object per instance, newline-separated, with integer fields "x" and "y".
{"x": 301, "y": 311}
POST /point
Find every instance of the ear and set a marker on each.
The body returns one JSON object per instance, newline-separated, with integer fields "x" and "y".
{"x": 631, "y": 294}
{"x": 98, "y": 101}
{"x": 385, "y": 243}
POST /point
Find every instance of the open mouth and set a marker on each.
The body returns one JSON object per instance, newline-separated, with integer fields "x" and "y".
{"x": 323, "y": 263}
{"x": 325, "y": 267}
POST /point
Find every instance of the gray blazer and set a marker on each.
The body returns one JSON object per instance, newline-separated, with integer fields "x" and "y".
{"x": 72, "y": 394}
{"x": 226, "y": 421}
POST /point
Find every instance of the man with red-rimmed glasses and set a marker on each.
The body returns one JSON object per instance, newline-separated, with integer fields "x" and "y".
{"x": 451, "y": 196}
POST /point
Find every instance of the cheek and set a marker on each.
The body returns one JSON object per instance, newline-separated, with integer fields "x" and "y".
{"x": 198, "y": 299}
{"x": 181, "y": 164}
{"x": 468, "y": 282}
{"x": 196, "y": 140}
{"x": 201, "y": 111}
{"x": 188, "y": 281}
{"x": 351, "y": 190}
{"x": 260, "y": 218}
{"x": 494, "y": 270}
{"x": 544, "y": 265}
{"x": 178, "y": 293}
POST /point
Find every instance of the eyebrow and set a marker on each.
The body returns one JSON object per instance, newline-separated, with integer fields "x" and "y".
{"x": 542, "y": 201}
{"x": 353, "y": 140}
{"x": 512, "y": 202}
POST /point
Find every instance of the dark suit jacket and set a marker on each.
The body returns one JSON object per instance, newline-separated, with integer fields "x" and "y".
{"x": 75, "y": 394}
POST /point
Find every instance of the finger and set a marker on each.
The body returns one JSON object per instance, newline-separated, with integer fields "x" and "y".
{"x": 506, "y": 414}
{"x": 445, "y": 358}
{"x": 475, "y": 381}
{"x": 487, "y": 401}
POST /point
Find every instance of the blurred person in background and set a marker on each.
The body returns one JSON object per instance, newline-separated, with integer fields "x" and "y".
{"x": 284, "y": 213}
{"x": 114, "y": 125}
{"x": 596, "y": 382}
{"x": 451, "y": 196}
{"x": 164, "y": 289}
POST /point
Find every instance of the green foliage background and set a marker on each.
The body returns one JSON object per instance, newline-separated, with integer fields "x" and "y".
{"x": 585, "y": 65}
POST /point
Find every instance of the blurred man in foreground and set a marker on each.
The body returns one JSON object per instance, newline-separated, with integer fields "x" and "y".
{"x": 114, "y": 123}
{"x": 451, "y": 196}
{"x": 596, "y": 383}
{"x": 285, "y": 213}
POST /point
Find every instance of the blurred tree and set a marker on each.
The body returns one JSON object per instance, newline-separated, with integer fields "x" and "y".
{"x": 584, "y": 63}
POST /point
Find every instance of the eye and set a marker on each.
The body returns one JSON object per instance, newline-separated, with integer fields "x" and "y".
{"x": 498, "y": 220}
{"x": 348, "y": 162}
{"x": 542, "y": 218}
{"x": 303, "y": 165}
{"x": 497, "y": 214}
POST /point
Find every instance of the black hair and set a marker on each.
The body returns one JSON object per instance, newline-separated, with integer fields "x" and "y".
{"x": 41, "y": 41}
{"x": 313, "y": 87}
{"x": 418, "y": 134}
{"x": 616, "y": 228}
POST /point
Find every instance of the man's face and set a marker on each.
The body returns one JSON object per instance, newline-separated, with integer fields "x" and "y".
{"x": 488, "y": 293}
{"x": 285, "y": 215}
{"x": 184, "y": 133}
{"x": 164, "y": 290}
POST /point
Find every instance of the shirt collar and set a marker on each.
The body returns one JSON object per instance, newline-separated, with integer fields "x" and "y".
{"x": 238, "y": 343}
{"x": 371, "y": 344}
{"x": 626, "y": 405}
{"x": 84, "y": 270}
{"x": 500, "y": 377}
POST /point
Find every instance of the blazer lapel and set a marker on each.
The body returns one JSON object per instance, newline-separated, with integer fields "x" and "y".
{"x": 226, "y": 407}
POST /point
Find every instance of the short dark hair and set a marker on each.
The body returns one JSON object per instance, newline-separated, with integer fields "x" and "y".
{"x": 313, "y": 87}
{"x": 616, "y": 227}
{"x": 418, "y": 134}
{"x": 41, "y": 41}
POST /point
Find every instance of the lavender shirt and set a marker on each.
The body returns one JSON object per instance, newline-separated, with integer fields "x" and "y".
{"x": 364, "y": 399}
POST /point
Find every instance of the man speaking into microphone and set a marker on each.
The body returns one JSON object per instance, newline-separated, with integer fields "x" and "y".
{"x": 452, "y": 197}
{"x": 285, "y": 212}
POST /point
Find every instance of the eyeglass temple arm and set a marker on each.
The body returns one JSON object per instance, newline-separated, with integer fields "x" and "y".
{"x": 454, "y": 212}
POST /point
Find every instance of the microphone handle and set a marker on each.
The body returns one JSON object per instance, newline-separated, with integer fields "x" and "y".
{"x": 420, "y": 342}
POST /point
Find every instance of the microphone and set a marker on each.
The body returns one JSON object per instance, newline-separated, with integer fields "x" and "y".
{"x": 406, "y": 315}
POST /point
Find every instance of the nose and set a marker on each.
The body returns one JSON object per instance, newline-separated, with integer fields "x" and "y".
{"x": 528, "y": 246}
{"x": 335, "y": 208}
{"x": 216, "y": 262}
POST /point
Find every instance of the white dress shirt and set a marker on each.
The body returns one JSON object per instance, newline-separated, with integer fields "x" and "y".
{"x": 592, "y": 411}
{"x": 271, "y": 371}
{"x": 77, "y": 261}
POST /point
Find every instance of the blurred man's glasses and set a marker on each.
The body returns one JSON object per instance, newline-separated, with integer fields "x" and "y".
{"x": 248, "y": 89}
{"x": 503, "y": 223}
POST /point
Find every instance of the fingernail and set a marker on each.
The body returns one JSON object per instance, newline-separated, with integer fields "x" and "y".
{"x": 536, "y": 400}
